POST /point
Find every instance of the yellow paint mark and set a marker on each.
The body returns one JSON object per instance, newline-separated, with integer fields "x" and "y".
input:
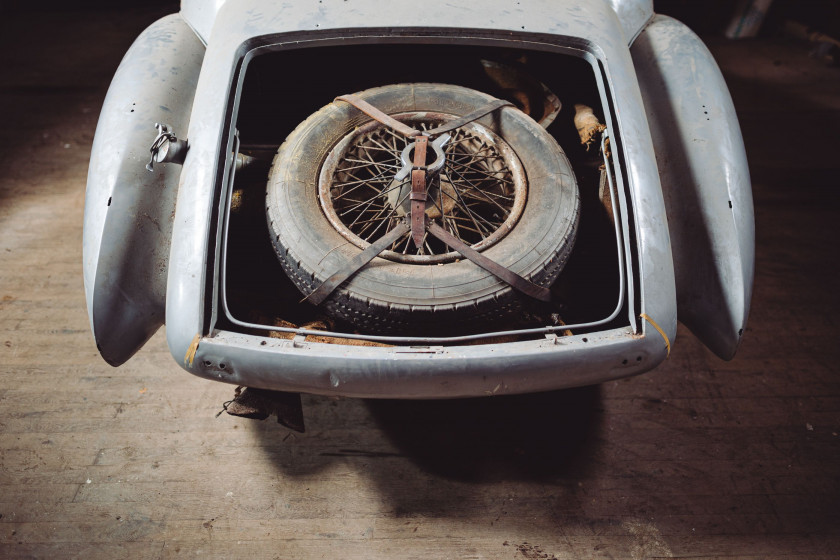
{"x": 143, "y": 390}
{"x": 658, "y": 328}
{"x": 189, "y": 358}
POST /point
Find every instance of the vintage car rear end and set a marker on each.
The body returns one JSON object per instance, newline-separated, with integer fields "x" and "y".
{"x": 635, "y": 196}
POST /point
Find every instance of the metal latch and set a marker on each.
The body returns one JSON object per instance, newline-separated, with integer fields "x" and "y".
{"x": 166, "y": 148}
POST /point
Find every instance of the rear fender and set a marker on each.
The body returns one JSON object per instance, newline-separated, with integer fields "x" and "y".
{"x": 128, "y": 210}
{"x": 705, "y": 181}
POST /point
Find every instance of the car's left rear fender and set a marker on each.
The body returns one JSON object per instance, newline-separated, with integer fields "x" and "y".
{"x": 128, "y": 210}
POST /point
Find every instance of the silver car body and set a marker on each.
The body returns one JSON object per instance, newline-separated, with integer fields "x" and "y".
{"x": 151, "y": 251}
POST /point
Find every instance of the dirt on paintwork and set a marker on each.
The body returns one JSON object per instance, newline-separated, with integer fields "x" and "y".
{"x": 321, "y": 324}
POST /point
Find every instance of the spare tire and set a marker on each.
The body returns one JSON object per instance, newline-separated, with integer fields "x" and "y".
{"x": 506, "y": 188}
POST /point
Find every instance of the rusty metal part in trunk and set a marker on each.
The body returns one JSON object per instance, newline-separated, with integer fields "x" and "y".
{"x": 529, "y": 94}
{"x": 587, "y": 124}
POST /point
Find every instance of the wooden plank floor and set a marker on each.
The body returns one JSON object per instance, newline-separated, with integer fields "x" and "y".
{"x": 699, "y": 459}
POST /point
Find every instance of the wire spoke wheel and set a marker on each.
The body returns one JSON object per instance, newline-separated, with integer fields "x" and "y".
{"x": 478, "y": 195}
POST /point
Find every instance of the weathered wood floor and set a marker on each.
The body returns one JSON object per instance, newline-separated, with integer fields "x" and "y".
{"x": 699, "y": 459}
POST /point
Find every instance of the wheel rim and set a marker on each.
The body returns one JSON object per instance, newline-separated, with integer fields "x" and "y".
{"x": 479, "y": 195}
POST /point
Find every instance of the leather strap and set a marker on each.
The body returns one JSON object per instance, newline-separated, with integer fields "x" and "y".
{"x": 466, "y": 119}
{"x": 378, "y": 115}
{"x": 351, "y": 267}
{"x": 516, "y": 282}
{"x": 418, "y": 191}
{"x": 409, "y": 132}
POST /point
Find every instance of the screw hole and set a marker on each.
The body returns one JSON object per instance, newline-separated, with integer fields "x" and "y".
{"x": 223, "y": 366}
{"x": 208, "y": 363}
{"x": 624, "y": 362}
{"x": 585, "y": 339}
{"x": 263, "y": 343}
{"x": 639, "y": 359}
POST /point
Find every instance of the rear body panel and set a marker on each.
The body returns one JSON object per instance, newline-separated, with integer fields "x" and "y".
{"x": 201, "y": 14}
{"x": 137, "y": 276}
{"x": 587, "y": 29}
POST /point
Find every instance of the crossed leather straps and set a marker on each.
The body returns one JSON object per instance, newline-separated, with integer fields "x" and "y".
{"x": 418, "y": 223}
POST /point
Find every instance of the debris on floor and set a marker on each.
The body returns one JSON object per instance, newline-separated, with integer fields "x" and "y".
{"x": 259, "y": 404}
